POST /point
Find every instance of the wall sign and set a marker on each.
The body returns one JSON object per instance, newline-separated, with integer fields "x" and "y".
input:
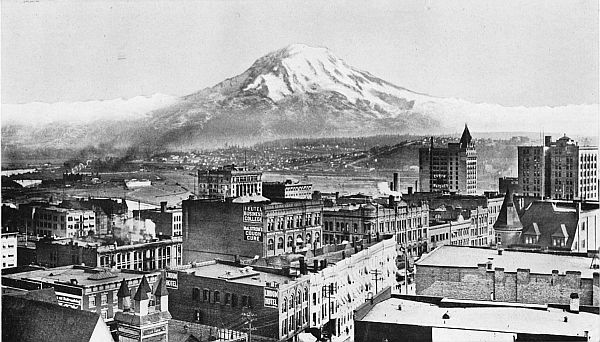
{"x": 252, "y": 214}
{"x": 253, "y": 233}
{"x": 271, "y": 297}
{"x": 172, "y": 280}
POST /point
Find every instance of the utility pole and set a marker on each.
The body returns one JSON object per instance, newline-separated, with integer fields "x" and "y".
{"x": 249, "y": 317}
{"x": 376, "y": 275}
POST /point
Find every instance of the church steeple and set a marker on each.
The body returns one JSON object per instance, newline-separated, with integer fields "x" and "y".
{"x": 465, "y": 139}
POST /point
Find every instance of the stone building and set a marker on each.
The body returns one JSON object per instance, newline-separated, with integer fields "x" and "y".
{"x": 229, "y": 181}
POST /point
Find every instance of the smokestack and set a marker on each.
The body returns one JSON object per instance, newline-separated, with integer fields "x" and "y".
{"x": 163, "y": 206}
{"x": 410, "y": 190}
{"x": 395, "y": 181}
{"x": 416, "y": 183}
{"x": 574, "y": 303}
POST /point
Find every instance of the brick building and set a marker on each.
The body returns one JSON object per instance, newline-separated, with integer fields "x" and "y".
{"x": 559, "y": 170}
{"x": 455, "y": 232}
{"x": 507, "y": 276}
{"x": 140, "y": 256}
{"x": 253, "y": 226}
{"x": 167, "y": 221}
{"x": 286, "y": 294}
{"x": 366, "y": 221}
{"x": 59, "y": 222}
{"x": 229, "y": 181}
{"x": 449, "y": 169}
{"x": 396, "y": 318}
{"x": 287, "y": 189}
{"x": 81, "y": 287}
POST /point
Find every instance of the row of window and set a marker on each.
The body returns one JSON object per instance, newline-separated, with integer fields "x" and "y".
{"x": 227, "y": 298}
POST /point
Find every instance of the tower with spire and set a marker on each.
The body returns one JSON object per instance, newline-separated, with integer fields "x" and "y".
{"x": 508, "y": 226}
{"x": 449, "y": 169}
{"x": 148, "y": 319}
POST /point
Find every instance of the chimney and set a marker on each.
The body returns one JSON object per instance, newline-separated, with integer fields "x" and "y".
{"x": 499, "y": 251}
{"x": 316, "y": 265}
{"x": 416, "y": 183}
{"x": 410, "y": 190}
{"x": 303, "y": 270}
{"x": 395, "y": 181}
{"x": 574, "y": 303}
{"x": 391, "y": 201}
{"x": 163, "y": 206}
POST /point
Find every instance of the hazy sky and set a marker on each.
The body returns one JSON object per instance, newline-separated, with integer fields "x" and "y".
{"x": 530, "y": 53}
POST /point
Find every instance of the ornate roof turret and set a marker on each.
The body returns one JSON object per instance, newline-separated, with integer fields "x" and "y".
{"x": 161, "y": 288}
{"x": 508, "y": 218}
{"x": 140, "y": 294}
{"x": 144, "y": 284}
{"x": 124, "y": 290}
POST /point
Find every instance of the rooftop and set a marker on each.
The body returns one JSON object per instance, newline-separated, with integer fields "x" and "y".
{"x": 83, "y": 276}
{"x": 515, "y": 319}
{"x": 235, "y": 274}
{"x": 541, "y": 263}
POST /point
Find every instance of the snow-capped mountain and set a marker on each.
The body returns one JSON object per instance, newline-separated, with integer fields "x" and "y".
{"x": 297, "y": 91}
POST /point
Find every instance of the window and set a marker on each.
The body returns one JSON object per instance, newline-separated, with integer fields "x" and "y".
{"x": 234, "y": 300}
{"x": 290, "y": 241}
{"x": 271, "y": 245}
{"x": 227, "y": 298}
{"x": 92, "y": 300}
{"x": 280, "y": 243}
{"x": 104, "y": 299}
{"x": 205, "y": 295}
{"x": 244, "y": 301}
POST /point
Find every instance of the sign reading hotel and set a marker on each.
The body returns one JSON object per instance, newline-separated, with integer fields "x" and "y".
{"x": 271, "y": 297}
{"x": 172, "y": 282}
{"x": 253, "y": 233}
{"x": 252, "y": 214}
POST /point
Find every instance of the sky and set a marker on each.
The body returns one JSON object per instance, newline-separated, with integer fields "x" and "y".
{"x": 513, "y": 53}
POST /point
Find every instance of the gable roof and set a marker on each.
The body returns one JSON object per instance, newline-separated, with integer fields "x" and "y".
{"x": 32, "y": 320}
{"x": 550, "y": 218}
{"x": 532, "y": 230}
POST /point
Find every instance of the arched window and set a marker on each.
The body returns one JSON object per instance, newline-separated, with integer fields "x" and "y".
{"x": 284, "y": 306}
{"x": 217, "y": 297}
{"x": 290, "y": 241}
{"x": 306, "y": 294}
{"x": 195, "y": 293}
{"x": 308, "y": 238}
{"x": 299, "y": 240}
{"x": 271, "y": 244}
{"x": 280, "y": 243}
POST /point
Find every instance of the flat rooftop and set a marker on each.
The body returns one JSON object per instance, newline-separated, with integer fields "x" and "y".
{"x": 81, "y": 275}
{"x": 541, "y": 263}
{"x": 493, "y": 318}
{"x": 235, "y": 274}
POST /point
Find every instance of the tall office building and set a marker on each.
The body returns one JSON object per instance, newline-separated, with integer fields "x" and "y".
{"x": 449, "y": 169}
{"x": 559, "y": 170}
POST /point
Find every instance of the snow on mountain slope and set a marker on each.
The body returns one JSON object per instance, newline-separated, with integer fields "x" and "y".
{"x": 299, "y": 69}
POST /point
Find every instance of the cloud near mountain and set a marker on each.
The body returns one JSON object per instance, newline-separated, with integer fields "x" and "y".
{"x": 297, "y": 91}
